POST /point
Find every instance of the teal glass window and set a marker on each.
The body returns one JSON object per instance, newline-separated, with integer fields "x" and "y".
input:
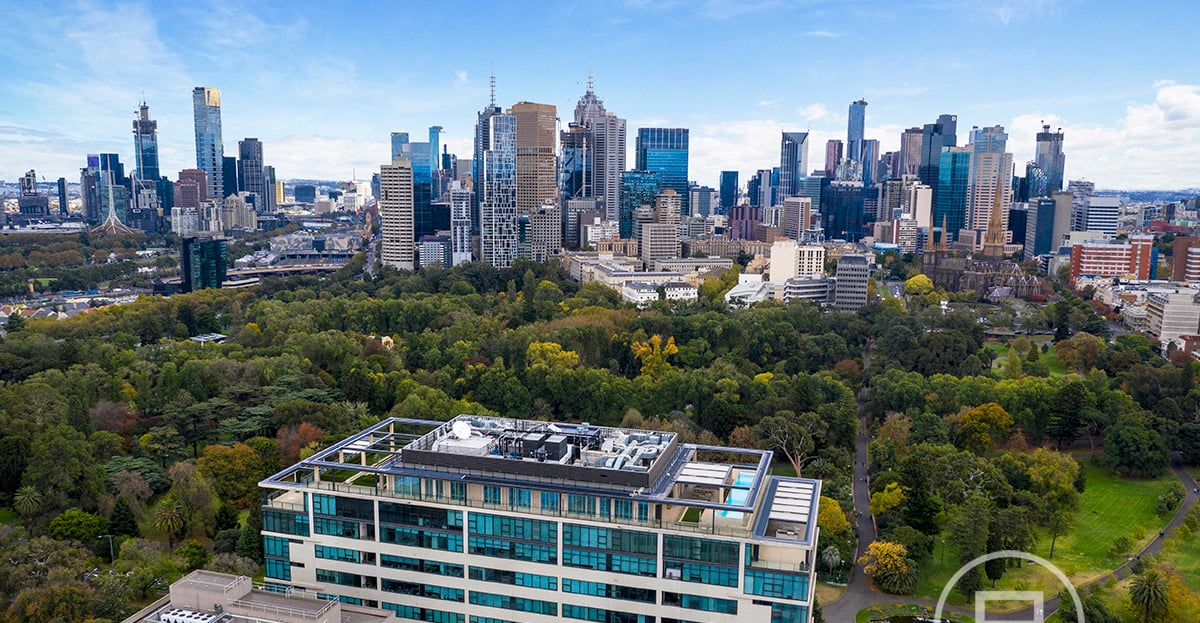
{"x": 520, "y": 604}
{"x": 601, "y": 615}
{"x": 549, "y": 502}
{"x": 700, "y": 602}
{"x": 519, "y": 498}
{"x": 421, "y": 565}
{"x": 775, "y": 584}
{"x": 611, "y": 591}
{"x": 515, "y": 578}
{"x": 491, "y": 494}
{"x": 417, "y": 589}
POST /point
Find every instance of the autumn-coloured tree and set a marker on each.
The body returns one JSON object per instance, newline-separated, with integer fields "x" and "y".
{"x": 884, "y": 501}
{"x": 653, "y": 355}
{"x": 981, "y": 428}
{"x": 831, "y": 518}
{"x": 889, "y": 567}
{"x": 294, "y": 438}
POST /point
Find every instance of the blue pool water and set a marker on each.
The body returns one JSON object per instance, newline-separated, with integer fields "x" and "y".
{"x": 738, "y": 495}
{"x": 744, "y": 480}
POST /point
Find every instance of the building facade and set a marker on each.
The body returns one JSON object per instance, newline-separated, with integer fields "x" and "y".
{"x": 210, "y": 150}
{"x": 396, "y": 215}
{"x": 1135, "y": 258}
{"x": 853, "y": 275}
{"x": 1050, "y": 157}
{"x": 202, "y": 263}
{"x": 498, "y": 192}
{"x": 487, "y": 519}
{"x": 638, "y": 188}
{"x": 729, "y": 190}
{"x": 793, "y": 161}
{"x": 665, "y": 151}
{"x": 535, "y": 159}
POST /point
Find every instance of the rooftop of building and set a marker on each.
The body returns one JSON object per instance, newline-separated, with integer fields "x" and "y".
{"x": 211, "y": 597}
{"x": 732, "y": 487}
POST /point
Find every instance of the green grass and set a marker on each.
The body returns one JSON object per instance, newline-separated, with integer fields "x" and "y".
{"x": 1050, "y": 360}
{"x": 1109, "y": 507}
{"x": 1184, "y": 555}
{"x": 887, "y": 610}
{"x": 7, "y": 516}
{"x": 691, "y": 515}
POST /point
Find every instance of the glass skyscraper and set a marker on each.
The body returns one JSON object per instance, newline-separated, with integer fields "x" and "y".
{"x": 145, "y": 146}
{"x": 638, "y": 188}
{"x": 855, "y": 125}
{"x": 954, "y": 170}
{"x": 399, "y": 140}
{"x": 934, "y": 138}
{"x": 210, "y": 150}
{"x": 729, "y": 190}
{"x": 498, "y": 191}
{"x": 1050, "y": 158}
{"x": 793, "y": 162}
{"x": 665, "y": 151}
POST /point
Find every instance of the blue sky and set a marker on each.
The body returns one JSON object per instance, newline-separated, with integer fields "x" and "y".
{"x": 323, "y": 83}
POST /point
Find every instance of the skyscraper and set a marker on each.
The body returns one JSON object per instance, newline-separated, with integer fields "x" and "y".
{"x": 934, "y": 138}
{"x": 483, "y": 142}
{"x": 396, "y": 216}
{"x": 435, "y": 152}
{"x": 910, "y": 151}
{"x": 869, "y": 160}
{"x": 833, "y": 155}
{"x": 251, "y": 173}
{"x": 608, "y": 138}
{"x": 536, "y": 173}
{"x": 991, "y": 168}
{"x": 1050, "y": 157}
{"x": 460, "y": 224}
{"x": 638, "y": 188}
{"x": 497, "y": 188}
{"x": 577, "y": 163}
{"x": 793, "y": 161}
{"x": 202, "y": 263}
{"x": 950, "y": 197}
{"x": 210, "y": 151}
{"x": 665, "y": 151}
{"x": 229, "y": 169}
{"x": 855, "y": 125}
{"x": 729, "y": 190}
{"x": 399, "y": 142}
{"x": 145, "y": 146}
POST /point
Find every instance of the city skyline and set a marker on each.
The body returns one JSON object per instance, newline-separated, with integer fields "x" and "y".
{"x": 324, "y": 107}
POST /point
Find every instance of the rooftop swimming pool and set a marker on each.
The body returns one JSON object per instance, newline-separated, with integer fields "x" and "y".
{"x": 738, "y": 495}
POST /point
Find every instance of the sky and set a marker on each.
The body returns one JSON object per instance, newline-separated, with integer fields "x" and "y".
{"x": 323, "y": 84}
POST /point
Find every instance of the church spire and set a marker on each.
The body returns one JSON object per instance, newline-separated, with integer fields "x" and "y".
{"x": 993, "y": 240}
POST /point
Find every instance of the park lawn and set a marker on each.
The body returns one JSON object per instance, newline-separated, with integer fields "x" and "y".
{"x": 1109, "y": 507}
{"x": 1048, "y": 358}
{"x": 886, "y": 610}
{"x": 1184, "y": 555}
{"x": 828, "y": 593}
{"x": 8, "y": 517}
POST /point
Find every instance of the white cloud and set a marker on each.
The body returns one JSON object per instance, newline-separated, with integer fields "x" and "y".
{"x": 814, "y": 112}
{"x": 825, "y": 34}
{"x": 461, "y": 76}
{"x": 770, "y": 102}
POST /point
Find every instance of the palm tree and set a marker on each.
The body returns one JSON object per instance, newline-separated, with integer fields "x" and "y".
{"x": 831, "y": 557}
{"x": 169, "y": 518}
{"x": 1148, "y": 591}
{"x": 27, "y": 501}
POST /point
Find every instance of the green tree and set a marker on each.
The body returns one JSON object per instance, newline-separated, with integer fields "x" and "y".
{"x": 76, "y": 524}
{"x": 1148, "y": 592}
{"x": 796, "y": 436}
{"x": 170, "y": 519}
{"x": 918, "y": 285}
{"x": 969, "y": 533}
{"x": 1132, "y": 448}
{"x": 832, "y": 558}
{"x": 234, "y": 472}
{"x": 122, "y": 521}
{"x": 62, "y": 467}
{"x": 27, "y": 502}
{"x": 193, "y": 554}
{"x": 250, "y": 543}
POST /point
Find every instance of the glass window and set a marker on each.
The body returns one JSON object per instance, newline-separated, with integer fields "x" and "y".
{"x": 520, "y": 604}
{"x": 581, "y": 504}
{"x": 420, "y": 516}
{"x": 700, "y": 602}
{"x": 550, "y": 501}
{"x": 408, "y": 485}
{"x": 776, "y": 584}
{"x": 623, "y": 509}
{"x": 421, "y": 565}
{"x": 278, "y": 569}
{"x": 458, "y": 491}
{"x": 343, "y": 528}
{"x": 519, "y": 498}
{"x": 284, "y": 522}
{"x": 351, "y": 508}
{"x": 417, "y": 589}
{"x": 513, "y": 550}
{"x": 604, "y": 561}
{"x": 491, "y": 494}
{"x": 421, "y": 538}
{"x": 433, "y": 488}
{"x": 276, "y": 546}
{"x": 418, "y": 613}
{"x": 631, "y": 541}
{"x": 337, "y": 553}
{"x": 611, "y": 591}
{"x": 515, "y": 578}
{"x": 513, "y": 527}
{"x": 600, "y": 615}
{"x": 700, "y": 572}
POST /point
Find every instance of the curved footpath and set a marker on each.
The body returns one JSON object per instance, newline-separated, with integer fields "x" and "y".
{"x": 859, "y": 594}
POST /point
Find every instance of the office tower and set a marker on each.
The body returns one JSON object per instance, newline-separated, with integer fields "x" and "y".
{"x": 497, "y": 187}
{"x": 89, "y": 189}
{"x": 210, "y": 151}
{"x": 703, "y": 200}
{"x": 192, "y": 188}
{"x": 658, "y": 229}
{"x": 435, "y": 152}
{"x": 869, "y": 160}
{"x": 1019, "y": 222}
{"x": 1100, "y": 214}
{"x": 31, "y": 203}
{"x": 229, "y": 174}
{"x": 396, "y": 216}
{"x": 251, "y": 173}
{"x": 793, "y": 161}
{"x": 665, "y": 151}
{"x": 729, "y": 190}
{"x": 399, "y": 143}
{"x": 577, "y": 166}
{"x": 842, "y": 210}
{"x": 991, "y": 168}
{"x": 855, "y": 124}
{"x": 491, "y": 517}
{"x": 202, "y": 262}
{"x": 483, "y": 142}
{"x": 545, "y": 232}
{"x": 910, "y": 151}
{"x": 434, "y": 250}
{"x": 791, "y": 259}
{"x": 935, "y": 137}
{"x": 917, "y": 202}
{"x": 1039, "y": 228}
{"x": 950, "y": 195}
{"x": 833, "y": 155}
{"x": 1185, "y": 259}
{"x": 113, "y": 189}
{"x": 460, "y": 224}
{"x": 889, "y": 203}
{"x": 535, "y": 154}
{"x": 1135, "y": 258}
{"x": 811, "y": 187}
{"x": 1080, "y": 191}
{"x": 304, "y": 193}
{"x": 638, "y": 188}
{"x": 1050, "y": 157}
{"x": 1036, "y": 183}
{"x": 270, "y": 201}
{"x": 853, "y": 274}
{"x": 760, "y": 190}
{"x": 796, "y": 217}
{"x": 608, "y": 136}
{"x": 574, "y": 210}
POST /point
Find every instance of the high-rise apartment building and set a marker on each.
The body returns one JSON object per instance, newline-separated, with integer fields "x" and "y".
{"x": 791, "y": 259}
{"x": 638, "y": 188}
{"x": 855, "y": 127}
{"x": 853, "y": 275}
{"x": 485, "y": 519}
{"x": 658, "y": 235}
{"x": 145, "y": 147}
{"x": 793, "y": 161}
{"x": 497, "y": 187}
{"x": 536, "y": 157}
{"x": 483, "y": 142}
{"x": 870, "y": 161}
{"x": 729, "y": 190}
{"x": 833, "y": 156}
{"x": 910, "y": 151}
{"x": 545, "y": 232}
{"x": 210, "y": 150}
{"x": 796, "y": 217}
{"x": 1135, "y": 258}
{"x": 460, "y": 224}
{"x": 1039, "y": 227}
{"x": 396, "y": 216}
{"x": 202, "y": 263}
{"x": 990, "y": 178}
{"x": 665, "y": 151}
{"x": 229, "y": 176}
{"x": 251, "y": 172}
{"x": 1050, "y": 157}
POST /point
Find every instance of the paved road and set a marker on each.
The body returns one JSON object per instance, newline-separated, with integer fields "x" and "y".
{"x": 859, "y": 594}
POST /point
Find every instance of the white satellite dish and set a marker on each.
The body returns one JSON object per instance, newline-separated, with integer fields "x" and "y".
{"x": 461, "y": 429}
